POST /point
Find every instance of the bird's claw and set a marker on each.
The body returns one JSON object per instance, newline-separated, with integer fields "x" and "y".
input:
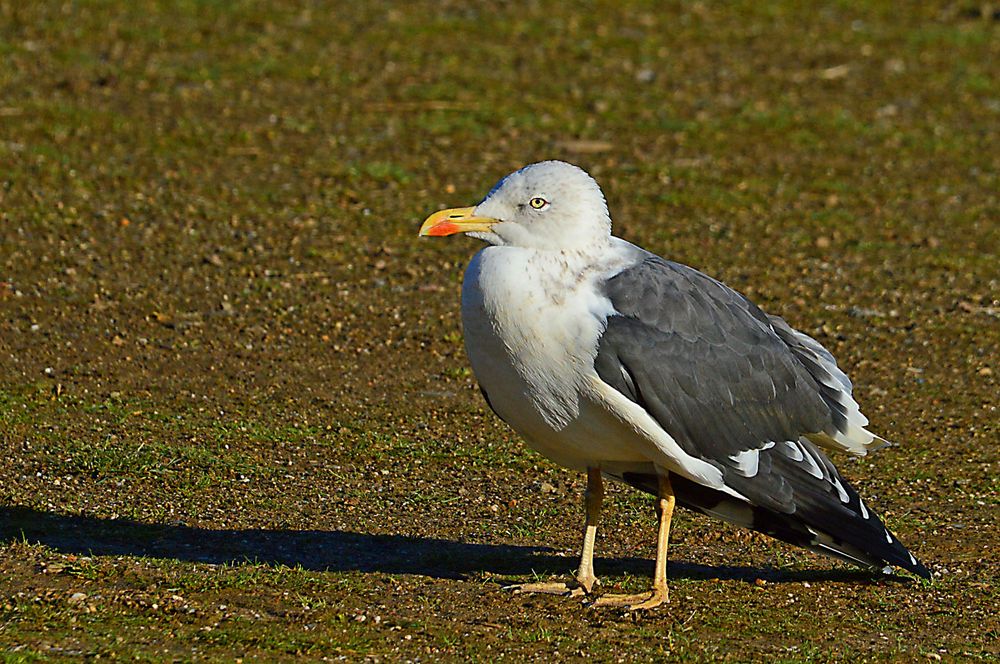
{"x": 641, "y": 602}
{"x": 547, "y": 588}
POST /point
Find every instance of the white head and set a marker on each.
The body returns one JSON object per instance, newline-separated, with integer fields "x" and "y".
{"x": 549, "y": 205}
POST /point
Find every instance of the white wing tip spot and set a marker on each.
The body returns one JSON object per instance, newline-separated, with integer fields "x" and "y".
{"x": 793, "y": 451}
{"x": 913, "y": 561}
{"x": 888, "y": 537}
{"x": 747, "y": 462}
{"x": 811, "y": 466}
{"x": 841, "y": 491}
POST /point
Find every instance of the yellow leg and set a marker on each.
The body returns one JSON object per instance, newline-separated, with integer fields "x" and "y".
{"x": 585, "y": 577}
{"x": 592, "y": 499}
{"x": 658, "y": 595}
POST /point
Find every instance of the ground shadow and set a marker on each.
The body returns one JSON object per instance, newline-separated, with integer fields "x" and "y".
{"x": 339, "y": 551}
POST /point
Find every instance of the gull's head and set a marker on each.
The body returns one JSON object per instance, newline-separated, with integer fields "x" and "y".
{"x": 549, "y": 205}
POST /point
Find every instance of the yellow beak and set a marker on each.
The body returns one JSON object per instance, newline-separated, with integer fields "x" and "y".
{"x": 454, "y": 220}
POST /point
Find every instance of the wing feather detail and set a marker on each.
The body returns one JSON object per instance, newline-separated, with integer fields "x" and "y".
{"x": 751, "y": 396}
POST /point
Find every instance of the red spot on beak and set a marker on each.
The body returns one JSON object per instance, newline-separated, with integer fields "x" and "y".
{"x": 443, "y": 228}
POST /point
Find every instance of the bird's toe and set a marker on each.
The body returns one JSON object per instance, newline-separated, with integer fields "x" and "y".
{"x": 637, "y": 602}
{"x": 587, "y": 583}
{"x": 544, "y": 588}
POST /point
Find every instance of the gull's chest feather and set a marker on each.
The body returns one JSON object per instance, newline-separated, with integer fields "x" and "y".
{"x": 532, "y": 322}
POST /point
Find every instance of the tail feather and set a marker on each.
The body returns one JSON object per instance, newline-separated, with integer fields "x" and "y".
{"x": 862, "y": 541}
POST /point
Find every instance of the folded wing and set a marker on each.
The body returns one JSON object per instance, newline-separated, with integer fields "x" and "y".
{"x": 750, "y": 395}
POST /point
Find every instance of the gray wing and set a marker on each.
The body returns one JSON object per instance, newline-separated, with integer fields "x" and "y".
{"x": 745, "y": 392}
{"x": 706, "y": 363}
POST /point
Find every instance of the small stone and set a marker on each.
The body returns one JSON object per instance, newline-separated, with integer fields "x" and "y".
{"x": 833, "y": 73}
{"x": 583, "y": 146}
{"x": 895, "y": 66}
{"x": 76, "y": 598}
{"x": 645, "y": 75}
{"x": 887, "y": 111}
{"x": 547, "y": 488}
{"x": 864, "y": 312}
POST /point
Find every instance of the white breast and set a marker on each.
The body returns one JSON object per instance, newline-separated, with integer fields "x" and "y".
{"x": 532, "y": 322}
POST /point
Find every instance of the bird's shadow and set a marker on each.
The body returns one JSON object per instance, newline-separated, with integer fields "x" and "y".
{"x": 341, "y": 551}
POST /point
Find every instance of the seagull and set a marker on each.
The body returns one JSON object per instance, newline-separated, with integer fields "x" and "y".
{"x": 613, "y": 361}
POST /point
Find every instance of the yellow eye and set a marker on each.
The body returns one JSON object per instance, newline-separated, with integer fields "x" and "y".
{"x": 538, "y": 202}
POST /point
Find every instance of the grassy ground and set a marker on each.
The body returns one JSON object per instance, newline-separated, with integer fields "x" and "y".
{"x": 235, "y": 416}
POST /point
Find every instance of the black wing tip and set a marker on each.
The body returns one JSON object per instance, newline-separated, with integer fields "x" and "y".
{"x": 903, "y": 559}
{"x": 919, "y": 569}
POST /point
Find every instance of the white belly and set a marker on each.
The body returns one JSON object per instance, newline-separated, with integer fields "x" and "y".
{"x": 533, "y": 355}
{"x": 532, "y": 324}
